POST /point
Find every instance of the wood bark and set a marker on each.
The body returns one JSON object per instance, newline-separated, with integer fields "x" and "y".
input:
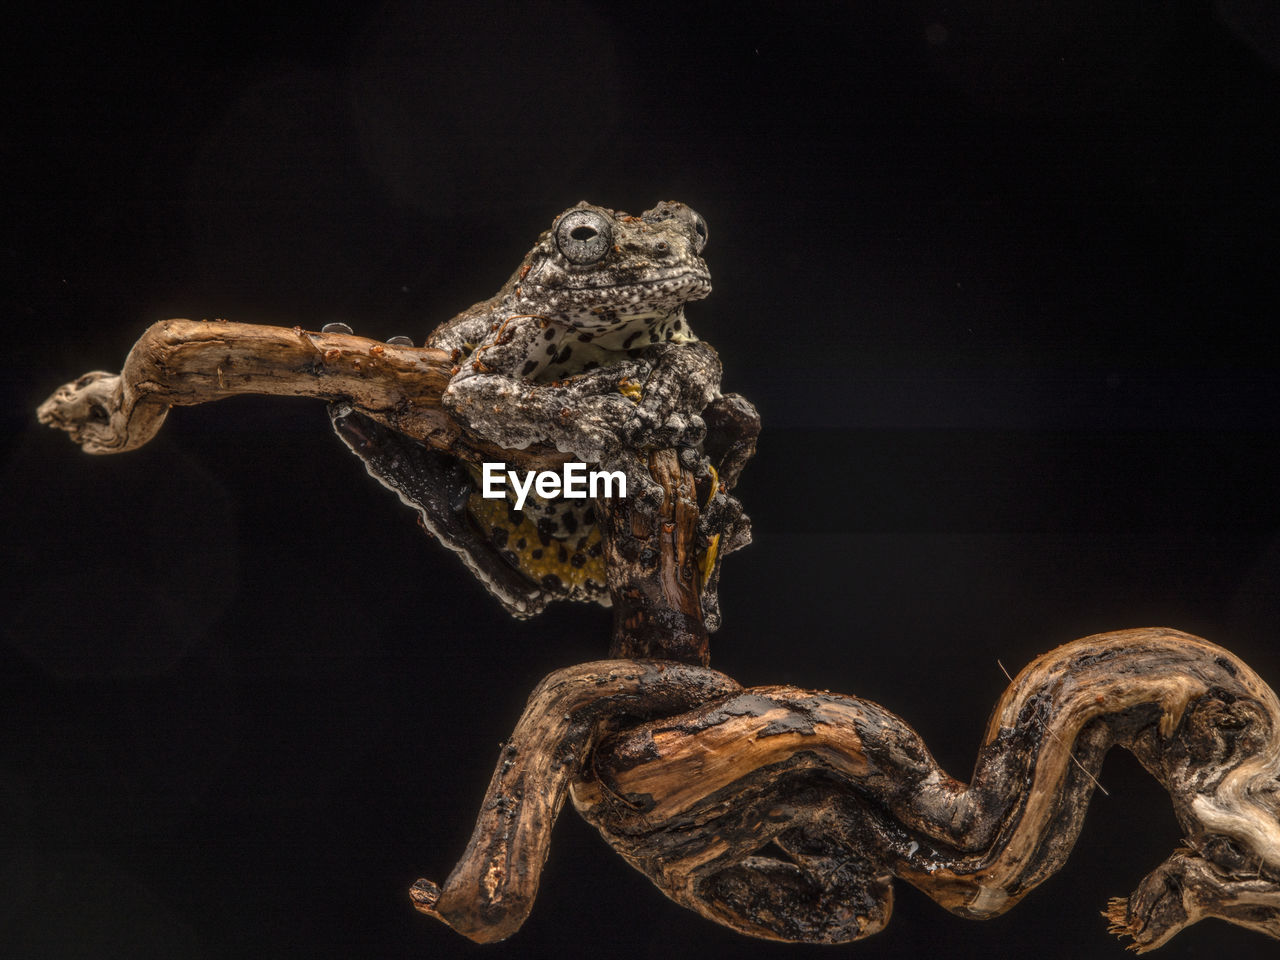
{"x": 653, "y": 574}
{"x": 491, "y": 891}
{"x": 786, "y": 813}
{"x": 178, "y": 363}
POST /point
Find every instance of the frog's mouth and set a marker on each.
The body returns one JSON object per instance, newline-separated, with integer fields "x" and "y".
{"x": 676, "y": 286}
{"x": 655, "y": 277}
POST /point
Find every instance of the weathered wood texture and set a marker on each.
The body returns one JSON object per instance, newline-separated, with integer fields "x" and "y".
{"x": 491, "y": 891}
{"x": 786, "y": 813}
{"x": 178, "y": 363}
{"x": 653, "y": 573}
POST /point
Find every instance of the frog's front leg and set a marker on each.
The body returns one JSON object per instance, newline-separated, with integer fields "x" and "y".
{"x": 683, "y": 379}
{"x": 493, "y": 393}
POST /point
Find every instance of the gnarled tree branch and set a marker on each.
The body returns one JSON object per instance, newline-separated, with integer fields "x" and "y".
{"x": 178, "y": 363}
{"x": 786, "y": 813}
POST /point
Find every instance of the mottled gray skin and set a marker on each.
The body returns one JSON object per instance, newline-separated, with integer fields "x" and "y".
{"x": 599, "y": 300}
{"x": 585, "y": 347}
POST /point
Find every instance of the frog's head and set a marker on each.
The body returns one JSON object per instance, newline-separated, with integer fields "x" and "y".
{"x": 596, "y": 267}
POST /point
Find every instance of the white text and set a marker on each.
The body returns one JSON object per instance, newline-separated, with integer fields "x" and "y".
{"x": 573, "y": 482}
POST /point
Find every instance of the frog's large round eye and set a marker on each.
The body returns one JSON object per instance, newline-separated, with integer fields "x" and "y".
{"x": 700, "y": 230}
{"x": 583, "y": 236}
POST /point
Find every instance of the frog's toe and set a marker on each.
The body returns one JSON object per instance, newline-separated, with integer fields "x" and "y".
{"x": 723, "y": 517}
{"x": 336, "y": 328}
{"x": 638, "y": 428}
{"x": 691, "y": 458}
{"x": 711, "y": 608}
{"x": 669, "y": 433}
{"x": 694, "y": 432}
{"x": 401, "y": 341}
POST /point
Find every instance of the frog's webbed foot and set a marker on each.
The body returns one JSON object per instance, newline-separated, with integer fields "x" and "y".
{"x": 438, "y": 488}
{"x": 723, "y": 520}
{"x": 733, "y": 425}
{"x": 723, "y": 527}
{"x": 683, "y": 379}
{"x": 643, "y": 430}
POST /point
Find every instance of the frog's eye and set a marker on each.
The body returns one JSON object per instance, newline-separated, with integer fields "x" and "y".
{"x": 583, "y": 236}
{"x": 700, "y": 229}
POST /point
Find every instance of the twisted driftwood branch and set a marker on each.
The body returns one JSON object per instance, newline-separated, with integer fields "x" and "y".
{"x": 786, "y": 813}
{"x": 179, "y": 363}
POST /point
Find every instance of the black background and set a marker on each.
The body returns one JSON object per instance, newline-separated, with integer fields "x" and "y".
{"x": 998, "y": 276}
